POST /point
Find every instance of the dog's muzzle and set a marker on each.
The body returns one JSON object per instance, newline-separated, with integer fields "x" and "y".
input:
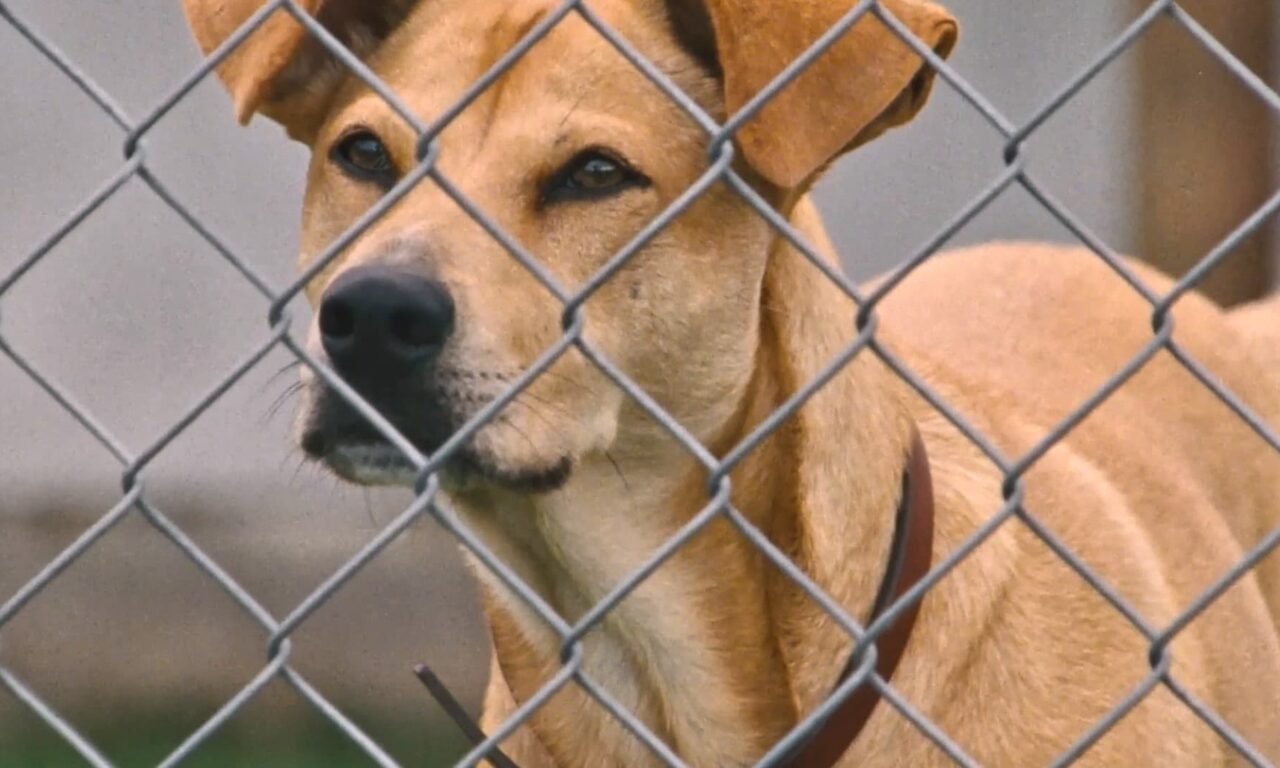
{"x": 382, "y": 329}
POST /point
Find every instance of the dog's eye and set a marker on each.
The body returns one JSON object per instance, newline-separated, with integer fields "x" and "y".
{"x": 596, "y": 173}
{"x": 590, "y": 175}
{"x": 365, "y": 157}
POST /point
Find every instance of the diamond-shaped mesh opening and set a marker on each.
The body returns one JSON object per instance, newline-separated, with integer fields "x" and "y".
{"x": 1227, "y": 111}
{"x": 51, "y": 126}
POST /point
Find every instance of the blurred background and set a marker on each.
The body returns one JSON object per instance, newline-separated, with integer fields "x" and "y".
{"x": 1161, "y": 156}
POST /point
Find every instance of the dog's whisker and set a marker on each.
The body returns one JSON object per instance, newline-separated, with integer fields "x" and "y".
{"x": 566, "y": 379}
{"x": 560, "y": 409}
{"x": 530, "y": 407}
{"x": 618, "y": 469}
{"x": 286, "y": 368}
{"x": 502, "y": 419}
{"x": 368, "y": 507}
{"x": 297, "y": 470}
{"x": 281, "y": 399}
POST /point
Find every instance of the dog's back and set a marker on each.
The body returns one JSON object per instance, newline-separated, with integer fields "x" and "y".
{"x": 1162, "y": 488}
{"x": 1258, "y": 326}
{"x": 1044, "y": 327}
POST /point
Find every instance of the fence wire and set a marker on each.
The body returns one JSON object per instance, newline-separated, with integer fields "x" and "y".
{"x": 428, "y": 502}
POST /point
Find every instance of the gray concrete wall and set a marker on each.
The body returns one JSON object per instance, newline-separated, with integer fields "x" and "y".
{"x": 138, "y": 317}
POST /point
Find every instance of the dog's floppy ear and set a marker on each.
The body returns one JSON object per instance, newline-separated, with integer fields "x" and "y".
{"x": 866, "y": 83}
{"x": 280, "y": 70}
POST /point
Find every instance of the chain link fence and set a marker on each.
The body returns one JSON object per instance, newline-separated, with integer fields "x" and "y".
{"x": 134, "y": 460}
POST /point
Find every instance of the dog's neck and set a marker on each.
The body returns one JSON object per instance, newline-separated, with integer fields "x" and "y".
{"x": 704, "y": 651}
{"x": 846, "y": 450}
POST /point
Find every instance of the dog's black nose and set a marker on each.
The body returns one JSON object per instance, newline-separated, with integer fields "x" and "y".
{"x": 379, "y": 323}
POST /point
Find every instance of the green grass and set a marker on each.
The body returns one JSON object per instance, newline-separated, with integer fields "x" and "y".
{"x": 147, "y": 741}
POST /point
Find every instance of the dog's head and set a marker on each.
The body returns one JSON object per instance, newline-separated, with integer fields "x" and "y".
{"x": 572, "y": 151}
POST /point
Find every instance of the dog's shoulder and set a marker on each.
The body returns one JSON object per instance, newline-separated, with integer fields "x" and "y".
{"x": 1028, "y": 333}
{"x": 1057, "y": 321}
{"x": 1054, "y": 317}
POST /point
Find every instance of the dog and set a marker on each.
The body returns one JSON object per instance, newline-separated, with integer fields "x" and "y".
{"x": 1160, "y": 490}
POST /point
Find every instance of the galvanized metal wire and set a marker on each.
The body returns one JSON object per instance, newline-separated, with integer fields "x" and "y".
{"x": 1013, "y": 171}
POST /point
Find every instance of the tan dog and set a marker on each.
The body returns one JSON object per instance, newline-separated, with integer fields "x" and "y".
{"x": 573, "y": 152}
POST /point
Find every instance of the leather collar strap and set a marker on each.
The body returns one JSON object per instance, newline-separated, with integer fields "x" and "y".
{"x": 909, "y": 560}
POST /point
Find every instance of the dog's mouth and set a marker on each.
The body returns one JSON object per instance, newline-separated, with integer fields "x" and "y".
{"x": 378, "y": 462}
{"x": 341, "y": 440}
{"x": 369, "y": 463}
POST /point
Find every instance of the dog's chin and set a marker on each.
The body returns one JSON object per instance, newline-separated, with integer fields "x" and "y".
{"x": 379, "y": 463}
{"x": 365, "y": 463}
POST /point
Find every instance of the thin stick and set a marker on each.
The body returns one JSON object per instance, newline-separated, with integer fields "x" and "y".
{"x": 459, "y": 715}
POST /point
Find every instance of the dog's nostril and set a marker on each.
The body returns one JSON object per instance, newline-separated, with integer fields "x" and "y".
{"x": 337, "y": 321}
{"x": 413, "y": 329}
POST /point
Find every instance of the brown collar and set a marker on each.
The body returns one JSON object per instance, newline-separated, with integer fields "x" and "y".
{"x": 909, "y": 561}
